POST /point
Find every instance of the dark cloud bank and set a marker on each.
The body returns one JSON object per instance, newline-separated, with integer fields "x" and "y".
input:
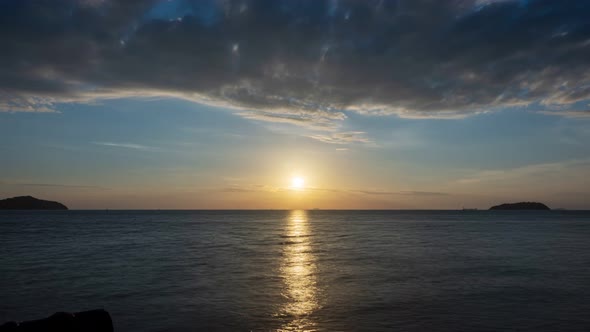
{"x": 303, "y": 62}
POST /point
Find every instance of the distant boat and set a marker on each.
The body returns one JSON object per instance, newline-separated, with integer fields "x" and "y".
{"x": 469, "y": 209}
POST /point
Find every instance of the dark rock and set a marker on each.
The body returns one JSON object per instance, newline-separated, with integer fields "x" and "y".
{"x": 29, "y": 203}
{"x": 85, "y": 321}
{"x": 521, "y": 206}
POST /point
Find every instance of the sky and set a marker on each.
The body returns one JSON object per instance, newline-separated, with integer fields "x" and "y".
{"x": 220, "y": 104}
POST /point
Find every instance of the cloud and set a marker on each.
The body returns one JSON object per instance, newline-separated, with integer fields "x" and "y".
{"x": 540, "y": 171}
{"x": 30, "y": 104}
{"x": 259, "y": 188}
{"x": 239, "y": 190}
{"x": 569, "y": 114}
{"x": 24, "y": 184}
{"x": 408, "y": 193}
{"x": 252, "y": 188}
{"x": 342, "y": 137}
{"x": 312, "y": 120}
{"x": 300, "y": 62}
{"x": 422, "y": 193}
{"x": 123, "y": 145}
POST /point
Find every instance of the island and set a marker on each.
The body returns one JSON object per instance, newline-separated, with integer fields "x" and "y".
{"x": 521, "y": 206}
{"x": 29, "y": 203}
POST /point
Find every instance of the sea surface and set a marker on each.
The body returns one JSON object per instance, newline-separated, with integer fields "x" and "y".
{"x": 301, "y": 270}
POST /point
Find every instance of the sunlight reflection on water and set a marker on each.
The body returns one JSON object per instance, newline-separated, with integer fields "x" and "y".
{"x": 298, "y": 270}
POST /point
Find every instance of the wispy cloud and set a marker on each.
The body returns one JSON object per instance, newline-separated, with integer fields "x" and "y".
{"x": 569, "y": 114}
{"x": 310, "y": 120}
{"x": 423, "y": 193}
{"x": 253, "y": 188}
{"x": 525, "y": 171}
{"x": 124, "y": 145}
{"x": 342, "y": 137}
{"x": 51, "y": 185}
{"x": 406, "y": 193}
{"x": 28, "y": 104}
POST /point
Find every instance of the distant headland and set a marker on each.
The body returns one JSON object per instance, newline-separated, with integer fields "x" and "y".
{"x": 29, "y": 203}
{"x": 521, "y": 206}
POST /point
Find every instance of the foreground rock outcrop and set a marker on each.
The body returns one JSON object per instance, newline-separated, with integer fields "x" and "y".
{"x": 29, "y": 203}
{"x": 521, "y": 206}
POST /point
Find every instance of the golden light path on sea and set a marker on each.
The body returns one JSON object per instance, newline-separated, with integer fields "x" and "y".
{"x": 298, "y": 270}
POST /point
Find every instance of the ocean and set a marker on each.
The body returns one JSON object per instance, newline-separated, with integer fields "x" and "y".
{"x": 301, "y": 270}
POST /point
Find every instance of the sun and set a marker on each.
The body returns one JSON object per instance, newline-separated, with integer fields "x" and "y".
{"x": 297, "y": 183}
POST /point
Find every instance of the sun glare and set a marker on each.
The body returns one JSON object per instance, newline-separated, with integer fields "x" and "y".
{"x": 297, "y": 183}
